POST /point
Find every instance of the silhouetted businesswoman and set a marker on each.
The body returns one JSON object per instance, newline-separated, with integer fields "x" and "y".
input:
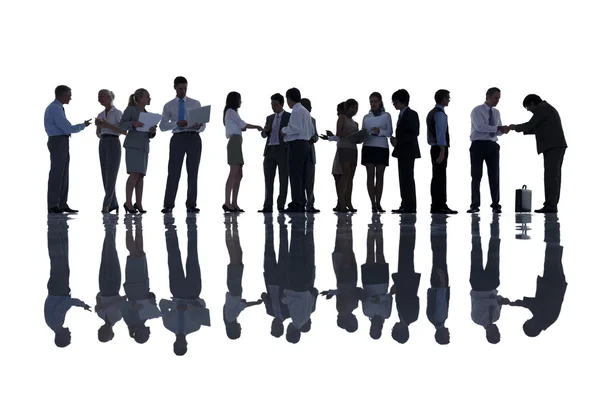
{"x": 406, "y": 150}
{"x": 59, "y": 130}
{"x": 550, "y": 140}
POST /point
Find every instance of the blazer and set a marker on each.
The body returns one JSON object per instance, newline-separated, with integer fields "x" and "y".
{"x": 407, "y": 133}
{"x": 134, "y": 139}
{"x": 285, "y": 119}
{"x": 546, "y": 125}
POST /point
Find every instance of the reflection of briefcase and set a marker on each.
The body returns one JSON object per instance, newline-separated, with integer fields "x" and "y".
{"x": 523, "y": 200}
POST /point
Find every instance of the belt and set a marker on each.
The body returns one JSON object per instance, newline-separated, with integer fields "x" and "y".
{"x": 60, "y": 136}
{"x": 108, "y": 136}
{"x": 186, "y": 132}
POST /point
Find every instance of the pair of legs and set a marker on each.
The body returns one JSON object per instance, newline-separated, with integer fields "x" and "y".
{"x": 348, "y": 161}
{"x": 135, "y": 182}
{"x": 553, "y": 160}
{"x": 375, "y": 185}
{"x": 189, "y": 146}
{"x": 488, "y": 152}
{"x": 58, "y": 178}
{"x": 109, "y": 150}
{"x": 232, "y": 186}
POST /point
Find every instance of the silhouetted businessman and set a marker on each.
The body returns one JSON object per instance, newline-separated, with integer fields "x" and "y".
{"x": 108, "y": 299}
{"x": 275, "y": 274}
{"x": 186, "y": 312}
{"x": 300, "y": 294}
{"x": 486, "y": 304}
{"x": 438, "y": 296}
{"x": 59, "y": 300}
{"x": 551, "y": 287}
{"x": 347, "y": 293}
{"x": 406, "y": 280}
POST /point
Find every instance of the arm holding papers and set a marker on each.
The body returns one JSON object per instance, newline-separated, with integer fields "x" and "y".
{"x": 149, "y": 121}
{"x": 198, "y": 117}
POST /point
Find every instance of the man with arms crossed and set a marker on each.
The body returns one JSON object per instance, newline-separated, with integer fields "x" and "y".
{"x": 59, "y": 130}
{"x": 185, "y": 141}
{"x": 276, "y": 155}
{"x": 486, "y": 126}
{"x": 550, "y": 140}
{"x": 297, "y": 134}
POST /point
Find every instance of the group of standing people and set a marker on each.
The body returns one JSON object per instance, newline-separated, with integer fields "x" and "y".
{"x": 289, "y": 149}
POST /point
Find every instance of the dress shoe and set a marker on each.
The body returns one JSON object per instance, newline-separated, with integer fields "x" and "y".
{"x": 265, "y": 210}
{"x": 545, "y": 209}
{"x": 67, "y": 209}
{"x": 312, "y": 210}
{"x": 496, "y": 210}
{"x": 135, "y": 206}
{"x": 473, "y": 210}
{"x": 192, "y": 209}
{"x": 167, "y": 210}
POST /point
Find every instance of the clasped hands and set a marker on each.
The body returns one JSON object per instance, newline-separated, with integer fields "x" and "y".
{"x": 184, "y": 123}
{"x": 505, "y": 129}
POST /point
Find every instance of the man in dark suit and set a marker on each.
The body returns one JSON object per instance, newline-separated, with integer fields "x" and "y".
{"x": 550, "y": 140}
{"x": 276, "y": 155}
{"x": 406, "y": 150}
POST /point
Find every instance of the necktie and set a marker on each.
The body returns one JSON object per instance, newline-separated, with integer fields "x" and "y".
{"x": 275, "y": 130}
{"x": 491, "y": 122}
{"x": 181, "y": 111}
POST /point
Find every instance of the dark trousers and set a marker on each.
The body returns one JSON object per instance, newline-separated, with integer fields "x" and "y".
{"x": 553, "y": 160}
{"x": 438, "y": 179}
{"x": 186, "y": 285}
{"x": 182, "y": 144}
{"x": 439, "y": 248}
{"x": 298, "y": 163}
{"x": 488, "y": 152}
{"x": 58, "y": 251}
{"x": 109, "y": 150}
{"x": 276, "y": 159}
{"x": 109, "y": 278}
{"x": 406, "y": 177}
{"x": 58, "y": 178}
{"x": 486, "y": 279}
{"x": 309, "y": 182}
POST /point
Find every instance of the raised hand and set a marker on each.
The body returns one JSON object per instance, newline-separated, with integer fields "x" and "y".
{"x": 87, "y": 122}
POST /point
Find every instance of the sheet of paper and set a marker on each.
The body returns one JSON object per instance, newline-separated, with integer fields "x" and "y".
{"x": 198, "y": 115}
{"x": 149, "y": 119}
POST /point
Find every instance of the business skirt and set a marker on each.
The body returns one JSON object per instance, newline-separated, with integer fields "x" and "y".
{"x": 234, "y": 150}
{"x": 136, "y": 160}
{"x": 347, "y": 155}
{"x": 375, "y": 155}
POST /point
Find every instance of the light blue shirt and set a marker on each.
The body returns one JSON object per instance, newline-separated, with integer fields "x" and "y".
{"x": 56, "y": 308}
{"x": 56, "y": 123}
{"x": 441, "y": 125}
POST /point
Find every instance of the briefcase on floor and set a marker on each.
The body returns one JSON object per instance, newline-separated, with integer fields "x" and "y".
{"x": 523, "y": 200}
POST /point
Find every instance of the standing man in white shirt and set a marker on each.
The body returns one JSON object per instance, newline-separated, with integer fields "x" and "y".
{"x": 486, "y": 126}
{"x": 297, "y": 135}
{"x": 185, "y": 141}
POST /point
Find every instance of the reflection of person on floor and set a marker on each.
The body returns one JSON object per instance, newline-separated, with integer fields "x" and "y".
{"x": 300, "y": 294}
{"x": 406, "y": 280}
{"x": 375, "y": 276}
{"x": 275, "y": 274}
{"x": 486, "y": 304}
{"x": 438, "y": 296}
{"x": 234, "y": 303}
{"x": 347, "y": 294}
{"x": 141, "y": 303}
{"x": 186, "y": 312}
{"x": 59, "y": 300}
{"x": 551, "y": 287}
{"x": 108, "y": 300}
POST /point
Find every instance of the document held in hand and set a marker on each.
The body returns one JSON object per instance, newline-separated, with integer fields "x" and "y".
{"x": 149, "y": 119}
{"x": 198, "y": 115}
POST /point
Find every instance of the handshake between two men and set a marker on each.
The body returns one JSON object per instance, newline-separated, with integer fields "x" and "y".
{"x": 505, "y": 129}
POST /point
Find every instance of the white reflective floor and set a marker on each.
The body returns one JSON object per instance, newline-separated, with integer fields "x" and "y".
{"x": 389, "y": 267}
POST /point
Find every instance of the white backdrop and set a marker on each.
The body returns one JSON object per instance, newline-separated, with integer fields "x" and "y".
{"x": 331, "y": 51}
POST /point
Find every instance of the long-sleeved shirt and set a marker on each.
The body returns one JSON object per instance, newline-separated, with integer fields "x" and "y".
{"x": 300, "y": 126}
{"x": 441, "y": 126}
{"x": 184, "y": 322}
{"x": 485, "y": 308}
{"x": 56, "y": 123}
{"x": 481, "y": 129}
{"x": 384, "y": 123}
{"x": 300, "y": 304}
{"x": 234, "y": 305}
{"x": 170, "y": 115}
{"x": 113, "y": 117}
{"x": 56, "y": 308}
{"x": 108, "y": 308}
{"x": 233, "y": 123}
